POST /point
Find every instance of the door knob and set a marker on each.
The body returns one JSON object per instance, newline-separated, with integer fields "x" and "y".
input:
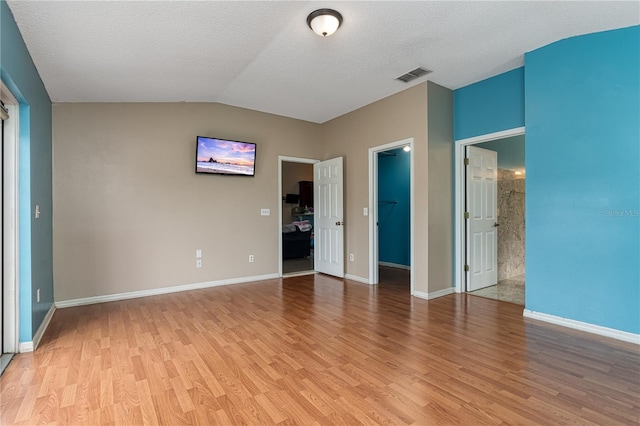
{"x": 339, "y": 223}
{"x": 496, "y": 224}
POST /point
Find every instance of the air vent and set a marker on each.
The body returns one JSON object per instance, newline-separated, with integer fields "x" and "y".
{"x": 413, "y": 74}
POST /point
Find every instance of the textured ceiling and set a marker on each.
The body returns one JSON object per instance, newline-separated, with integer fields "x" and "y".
{"x": 261, "y": 55}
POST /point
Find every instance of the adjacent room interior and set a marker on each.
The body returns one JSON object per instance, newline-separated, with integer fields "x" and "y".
{"x": 509, "y": 285}
{"x": 297, "y": 218}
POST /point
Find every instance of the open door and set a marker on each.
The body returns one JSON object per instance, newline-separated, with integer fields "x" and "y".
{"x": 482, "y": 222}
{"x": 8, "y": 226}
{"x": 329, "y": 219}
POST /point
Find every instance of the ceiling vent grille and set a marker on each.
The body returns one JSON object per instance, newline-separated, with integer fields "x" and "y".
{"x": 413, "y": 74}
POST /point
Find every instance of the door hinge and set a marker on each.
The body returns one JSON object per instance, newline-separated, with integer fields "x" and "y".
{"x": 466, "y": 215}
{"x": 466, "y": 268}
{"x": 466, "y": 161}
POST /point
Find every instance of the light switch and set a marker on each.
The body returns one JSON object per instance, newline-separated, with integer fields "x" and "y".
{"x": 37, "y": 211}
{"x": 365, "y": 211}
{"x": 198, "y": 253}
{"x": 265, "y": 212}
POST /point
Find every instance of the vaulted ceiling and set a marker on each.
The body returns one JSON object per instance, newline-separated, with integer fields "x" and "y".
{"x": 262, "y": 55}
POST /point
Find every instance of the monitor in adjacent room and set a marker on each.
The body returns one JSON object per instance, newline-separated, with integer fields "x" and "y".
{"x": 292, "y": 199}
{"x": 225, "y": 157}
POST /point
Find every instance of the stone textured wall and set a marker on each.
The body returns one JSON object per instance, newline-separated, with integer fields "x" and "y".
{"x": 512, "y": 224}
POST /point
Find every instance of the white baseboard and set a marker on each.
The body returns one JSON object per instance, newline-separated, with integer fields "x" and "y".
{"x": 157, "y": 291}
{"x": 43, "y": 327}
{"x": 33, "y": 344}
{"x": 25, "y": 347}
{"x": 395, "y": 265}
{"x": 357, "y": 278}
{"x": 434, "y": 294}
{"x": 420, "y": 294}
{"x": 584, "y": 326}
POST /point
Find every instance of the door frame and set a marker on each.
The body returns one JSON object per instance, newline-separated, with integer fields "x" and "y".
{"x": 460, "y": 276}
{"x": 282, "y": 159}
{"x": 10, "y": 297}
{"x": 373, "y": 207}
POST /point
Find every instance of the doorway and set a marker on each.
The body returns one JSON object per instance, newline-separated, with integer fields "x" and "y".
{"x": 391, "y": 208}
{"x": 296, "y": 233}
{"x": 8, "y": 227}
{"x": 504, "y": 188}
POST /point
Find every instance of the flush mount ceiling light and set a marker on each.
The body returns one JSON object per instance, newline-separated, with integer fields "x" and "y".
{"x": 324, "y": 22}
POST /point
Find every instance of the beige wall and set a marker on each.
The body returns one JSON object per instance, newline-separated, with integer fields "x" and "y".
{"x": 395, "y": 118}
{"x": 292, "y": 173}
{"x": 424, "y": 113}
{"x": 129, "y": 210}
{"x": 440, "y": 135}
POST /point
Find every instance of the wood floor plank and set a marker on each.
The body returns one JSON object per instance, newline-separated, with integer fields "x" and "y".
{"x": 317, "y": 350}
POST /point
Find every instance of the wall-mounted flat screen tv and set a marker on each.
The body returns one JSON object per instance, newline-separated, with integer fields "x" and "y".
{"x": 225, "y": 157}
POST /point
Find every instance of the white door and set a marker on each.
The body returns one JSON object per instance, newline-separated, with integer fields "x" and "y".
{"x": 8, "y": 227}
{"x": 328, "y": 217}
{"x": 482, "y": 225}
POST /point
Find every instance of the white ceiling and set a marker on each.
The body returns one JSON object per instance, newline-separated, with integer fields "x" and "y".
{"x": 262, "y": 55}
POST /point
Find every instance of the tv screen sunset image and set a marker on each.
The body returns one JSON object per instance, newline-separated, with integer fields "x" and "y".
{"x": 225, "y": 157}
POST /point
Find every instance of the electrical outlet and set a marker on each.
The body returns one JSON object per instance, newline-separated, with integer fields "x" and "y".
{"x": 265, "y": 212}
{"x": 250, "y": 258}
{"x": 198, "y": 253}
{"x": 198, "y": 263}
{"x": 38, "y": 295}
{"x": 352, "y": 257}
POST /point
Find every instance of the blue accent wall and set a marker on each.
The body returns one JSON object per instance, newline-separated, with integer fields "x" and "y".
{"x": 19, "y": 74}
{"x": 582, "y": 113}
{"x": 490, "y": 105}
{"x": 394, "y": 218}
{"x": 583, "y": 179}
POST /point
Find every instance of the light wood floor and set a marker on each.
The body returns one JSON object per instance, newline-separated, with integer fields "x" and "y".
{"x": 317, "y": 350}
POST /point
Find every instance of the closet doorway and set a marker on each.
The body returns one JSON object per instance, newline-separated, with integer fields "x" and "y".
{"x": 296, "y": 234}
{"x": 391, "y": 209}
{"x": 393, "y": 215}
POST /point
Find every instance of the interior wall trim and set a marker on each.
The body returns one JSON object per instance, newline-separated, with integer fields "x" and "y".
{"x": 394, "y": 265}
{"x": 357, "y": 278}
{"x": 43, "y": 327}
{"x": 25, "y": 347}
{"x": 434, "y": 294}
{"x": 583, "y": 326}
{"x": 157, "y": 291}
